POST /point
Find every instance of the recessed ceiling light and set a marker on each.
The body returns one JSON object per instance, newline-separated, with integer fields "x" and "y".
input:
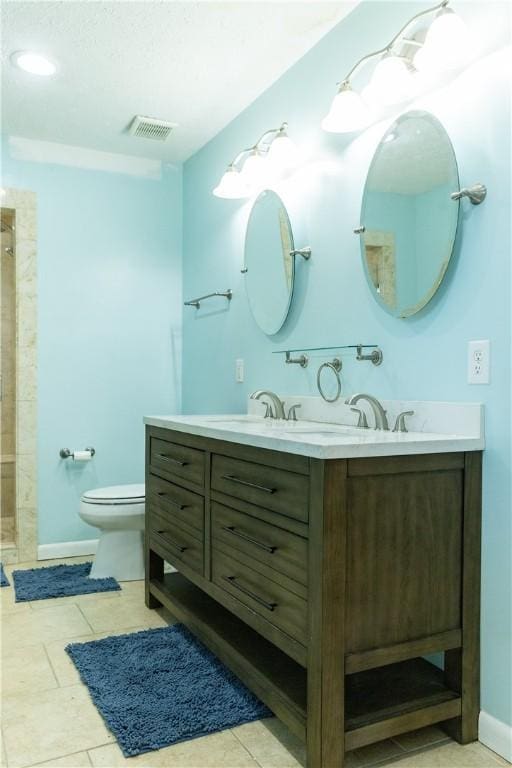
{"x": 34, "y": 63}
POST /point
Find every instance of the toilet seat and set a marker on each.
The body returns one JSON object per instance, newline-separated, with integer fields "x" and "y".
{"x": 116, "y": 494}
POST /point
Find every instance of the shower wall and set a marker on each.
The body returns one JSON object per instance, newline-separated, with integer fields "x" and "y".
{"x": 8, "y": 380}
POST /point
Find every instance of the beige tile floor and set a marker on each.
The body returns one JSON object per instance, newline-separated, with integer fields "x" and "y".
{"x": 48, "y": 718}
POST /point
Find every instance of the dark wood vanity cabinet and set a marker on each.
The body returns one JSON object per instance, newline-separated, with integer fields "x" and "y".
{"x": 323, "y": 584}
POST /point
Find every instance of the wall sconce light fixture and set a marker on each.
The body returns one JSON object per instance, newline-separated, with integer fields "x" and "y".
{"x": 273, "y": 155}
{"x": 444, "y": 45}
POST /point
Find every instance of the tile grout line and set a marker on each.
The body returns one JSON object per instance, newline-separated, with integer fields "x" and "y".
{"x": 86, "y": 620}
{"x": 246, "y": 748}
{"x": 51, "y": 665}
{"x": 60, "y": 757}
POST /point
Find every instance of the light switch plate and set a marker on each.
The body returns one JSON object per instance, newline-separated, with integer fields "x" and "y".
{"x": 479, "y": 362}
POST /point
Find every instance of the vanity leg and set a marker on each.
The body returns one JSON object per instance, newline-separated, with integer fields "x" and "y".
{"x": 326, "y": 597}
{"x": 462, "y": 665}
{"x": 154, "y": 570}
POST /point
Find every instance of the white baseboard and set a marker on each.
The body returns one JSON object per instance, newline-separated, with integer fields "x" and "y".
{"x": 67, "y": 549}
{"x": 495, "y": 735}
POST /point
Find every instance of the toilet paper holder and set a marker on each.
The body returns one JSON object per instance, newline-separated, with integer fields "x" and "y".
{"x": 65, "y": 453}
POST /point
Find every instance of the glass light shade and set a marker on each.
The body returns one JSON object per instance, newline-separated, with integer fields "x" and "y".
{"x": 391, "y": 83}
{"x": 447, "y": 43}
{"x": 34, "y": 63}
{"x": 254, "y": 171}
{"x": 231, "y": 186}
{"x": 283, "y": 154}
{"x": 348, "y": 113}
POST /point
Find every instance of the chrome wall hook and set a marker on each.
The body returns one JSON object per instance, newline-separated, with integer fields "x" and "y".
{"x": 476, "y": 194}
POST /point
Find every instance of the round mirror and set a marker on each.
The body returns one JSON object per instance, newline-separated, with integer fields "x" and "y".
{"x": 408, "y": 216}
{"x": 269, "y": 263}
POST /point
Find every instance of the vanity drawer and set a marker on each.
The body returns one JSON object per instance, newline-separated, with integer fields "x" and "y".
{"x": 267, "y": 598}
{"x": 179, "y": 460}
{"x": 176, "y": 503}
{"x": 275, "y": 489}
{"x": 183, "y": 547}
{"x": 268, "y": 544}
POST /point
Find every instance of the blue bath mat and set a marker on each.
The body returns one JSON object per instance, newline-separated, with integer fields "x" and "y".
{"x": 4, "y": 581}
{"x": 161, "y": 686}
{"x": 59, "y": 581}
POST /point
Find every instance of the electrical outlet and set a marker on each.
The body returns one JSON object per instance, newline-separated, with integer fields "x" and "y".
{"x": 479, "y": 362}
{"x": 239, "y": 370}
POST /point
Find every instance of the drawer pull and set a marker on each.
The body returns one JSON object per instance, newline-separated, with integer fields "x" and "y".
{"x": 171, "y": 460}
{"x": 172, "y": 544}
{"x": 170, "y": 501}
{"x": 245, "y": 537}
{"x": 232, "y": 580}
{"x": 234, "y": 479}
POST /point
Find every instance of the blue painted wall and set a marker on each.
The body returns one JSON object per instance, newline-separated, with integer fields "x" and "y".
{"x": 109, "y": 326}
{"x": 425, "y": 356}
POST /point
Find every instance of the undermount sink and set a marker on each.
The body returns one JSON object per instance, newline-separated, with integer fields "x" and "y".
{"x": 282, "y": 428}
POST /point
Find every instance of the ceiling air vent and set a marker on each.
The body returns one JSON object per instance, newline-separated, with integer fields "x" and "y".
{"x": 151, "y": 128}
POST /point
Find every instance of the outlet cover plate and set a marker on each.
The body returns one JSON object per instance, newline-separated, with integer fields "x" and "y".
{"x": 479, "y": 362}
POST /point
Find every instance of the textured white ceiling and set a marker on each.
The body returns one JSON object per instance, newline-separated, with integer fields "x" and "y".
{"x": 194, "y": 63}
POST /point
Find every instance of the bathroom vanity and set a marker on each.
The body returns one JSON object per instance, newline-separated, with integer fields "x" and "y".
{"x": 322, "y": 567}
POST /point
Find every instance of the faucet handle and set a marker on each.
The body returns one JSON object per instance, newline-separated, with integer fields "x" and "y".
{"x": 362, "y": 421}
{"x": 269, "y": 414}
{"x": 292, "y": 412}
{"x": 400, "y": 421}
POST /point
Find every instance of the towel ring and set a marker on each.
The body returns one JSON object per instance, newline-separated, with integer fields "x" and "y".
{"x": 335, "y": 366}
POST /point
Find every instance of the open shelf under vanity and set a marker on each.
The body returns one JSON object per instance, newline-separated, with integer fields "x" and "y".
{"x": 379, "y": 703}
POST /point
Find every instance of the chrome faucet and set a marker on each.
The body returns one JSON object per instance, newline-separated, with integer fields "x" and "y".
{"x": 381, "y": 421}
{"x": 278, "y": 412}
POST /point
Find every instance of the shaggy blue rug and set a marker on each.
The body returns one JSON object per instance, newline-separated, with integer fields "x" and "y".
{"x": 161, "y": 686}
{"x": 59, "y": 581}
{"x": 4, "y": 581}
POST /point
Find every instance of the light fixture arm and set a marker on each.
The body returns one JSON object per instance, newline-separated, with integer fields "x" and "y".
{"x": 346, "y": 81}
{"x": 258, "y": 145}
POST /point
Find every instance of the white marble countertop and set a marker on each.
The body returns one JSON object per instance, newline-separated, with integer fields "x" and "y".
{"x": 323, "y": 439}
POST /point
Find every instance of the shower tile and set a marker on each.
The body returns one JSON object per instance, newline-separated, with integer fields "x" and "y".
{"x": 27, "y": 381}
{"x": 26, "y": 223}
{"x": 25, "y": 267}
{"x": 26, "y": 427}
{"x": 27, "y": 532}
{"x": 27, "y": 327}
{"x": 24, "y": 672}
{"x": 25, "y": 485}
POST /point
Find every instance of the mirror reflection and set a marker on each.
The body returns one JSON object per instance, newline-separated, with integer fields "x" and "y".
{"x": 409, "y": 219}
{"x": 268, "y": 262}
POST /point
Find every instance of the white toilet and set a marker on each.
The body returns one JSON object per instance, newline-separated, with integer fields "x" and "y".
{"x": 118, "y": 511}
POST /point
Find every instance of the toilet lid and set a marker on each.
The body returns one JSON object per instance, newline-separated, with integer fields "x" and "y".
{"x": 116, "y": 494}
